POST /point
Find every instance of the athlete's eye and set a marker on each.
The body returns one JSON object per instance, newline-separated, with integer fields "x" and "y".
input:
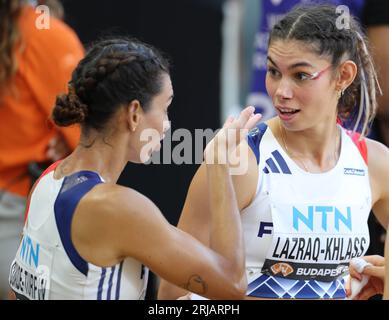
{"x": 302, "y": 76}
{"x": 273, "y": 72}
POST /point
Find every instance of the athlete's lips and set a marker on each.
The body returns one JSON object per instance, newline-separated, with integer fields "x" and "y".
{"x": 284, "y": 109}
{"x": 287, "y": 114}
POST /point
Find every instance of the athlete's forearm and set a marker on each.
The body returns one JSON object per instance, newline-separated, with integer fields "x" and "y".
{"x": 226, "y": 236}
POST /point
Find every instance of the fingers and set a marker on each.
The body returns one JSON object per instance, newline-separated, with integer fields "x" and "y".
{"x": 354, "y": 273}
{"x": 347, "y": 286}
{"x": 251, "y": 123}
{"x": 245, "y": 116}
{"x": 246, "y": 120}
{"x": 375, "y": 260}
{"x": 241, "y": 121}
{"x": 228, "y": 122}
{"x": 234, "y": 130}
{"x": 375, "y": 268}
{"x": 375, "y": 271}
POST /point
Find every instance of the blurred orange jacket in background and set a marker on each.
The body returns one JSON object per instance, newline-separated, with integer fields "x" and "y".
{"x": 45, "y": 62}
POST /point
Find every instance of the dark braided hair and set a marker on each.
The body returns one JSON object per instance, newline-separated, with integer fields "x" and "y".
{"x": 113, "y": 73}
{"x": 316, "y": 25}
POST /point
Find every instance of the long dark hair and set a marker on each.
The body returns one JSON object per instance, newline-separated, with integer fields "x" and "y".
{"x": 9, "y": 38}
{"x": 316, "y": 26}
{"x": 113, "y": 73}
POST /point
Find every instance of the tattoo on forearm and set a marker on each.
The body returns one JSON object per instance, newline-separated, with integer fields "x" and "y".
{"x": 196, "y": 284}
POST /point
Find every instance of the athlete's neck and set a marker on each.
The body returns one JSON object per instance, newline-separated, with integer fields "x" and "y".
{"x": 319, "y": 146}
{"x": 105, "y": 155}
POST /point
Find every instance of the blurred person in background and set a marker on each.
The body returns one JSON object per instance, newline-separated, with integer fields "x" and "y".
{"x": 36, "y": 61}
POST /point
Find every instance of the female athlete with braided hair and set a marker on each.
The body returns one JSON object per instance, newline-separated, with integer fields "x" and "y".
{"x": 311, "y": 183}
{"x": 87, "y": 237}
{"x": 35, "y": 66}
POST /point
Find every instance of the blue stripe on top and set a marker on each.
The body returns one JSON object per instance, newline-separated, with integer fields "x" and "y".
{"x": 110, "y": 283}
{"x": 281, "y": 162}
{"x": 73, "y": 188}
{"x": 254, "y": 138}
{"x": 118, "y": 281}
{"x": 272, "y": 165}
{"x": 101, "y": 283}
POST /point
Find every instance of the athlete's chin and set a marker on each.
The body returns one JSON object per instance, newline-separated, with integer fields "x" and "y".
{"x": 298, "y": 123}
{"x": 146, "y": 154}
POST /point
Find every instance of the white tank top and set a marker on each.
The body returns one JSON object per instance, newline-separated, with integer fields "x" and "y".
{"x": 302, "y": 229}
{"x": 47, "y": 265}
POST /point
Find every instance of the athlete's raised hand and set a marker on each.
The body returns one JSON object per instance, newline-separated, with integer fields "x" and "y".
{"x": 230, "y": 136}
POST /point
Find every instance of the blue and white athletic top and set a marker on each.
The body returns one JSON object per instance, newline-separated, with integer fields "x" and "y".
{"x": 47, "y": 265}
{"x": 302, "y": 229}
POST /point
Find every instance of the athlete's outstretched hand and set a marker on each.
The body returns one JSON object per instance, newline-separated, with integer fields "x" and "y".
{"x": 230, "y": 136}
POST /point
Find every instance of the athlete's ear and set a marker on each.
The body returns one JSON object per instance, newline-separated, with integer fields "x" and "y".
{"x": 347, "y": 72}
{"x": 134, "y": 114}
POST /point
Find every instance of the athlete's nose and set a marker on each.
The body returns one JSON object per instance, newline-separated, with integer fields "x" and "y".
{"x": 284, "y": 89}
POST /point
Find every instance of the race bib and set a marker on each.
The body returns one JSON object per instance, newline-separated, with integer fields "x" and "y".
{"x": 30, "y": 271}
{"x": 315, "y": 241}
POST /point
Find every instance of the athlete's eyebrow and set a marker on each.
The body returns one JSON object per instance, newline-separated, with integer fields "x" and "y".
{"x": 295, "y": 65}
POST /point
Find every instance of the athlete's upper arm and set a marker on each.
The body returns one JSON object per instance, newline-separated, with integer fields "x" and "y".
{"x": 378, "y": 159}
{"x": 175, "y": 255}
{"x": 134, "y": 227}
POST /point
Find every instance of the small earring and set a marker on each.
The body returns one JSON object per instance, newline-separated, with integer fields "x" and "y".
{"x": 340, "y": 93}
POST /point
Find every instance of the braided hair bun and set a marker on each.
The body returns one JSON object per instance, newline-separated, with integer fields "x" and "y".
{"x": 69, "y": 110}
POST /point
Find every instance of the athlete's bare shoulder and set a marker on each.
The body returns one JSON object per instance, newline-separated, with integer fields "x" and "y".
{"x": 112, "y": 198}
{"x": 104, "y": 216}
{"x": 378, "y": 163}
{"x": 378, "y": 158}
